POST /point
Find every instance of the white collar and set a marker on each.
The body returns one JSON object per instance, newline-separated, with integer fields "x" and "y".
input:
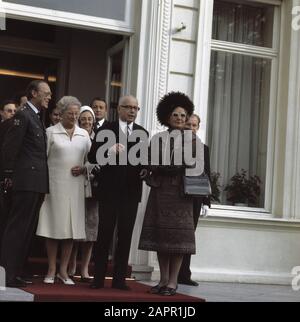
{"x": 100, "y": 123}
{"x": 59, "y": 129}
{"x": 33, "y": 107}
{"x": 124, "y": 125}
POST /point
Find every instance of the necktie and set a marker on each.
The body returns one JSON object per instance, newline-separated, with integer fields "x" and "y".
{"x": 128, "y": 130}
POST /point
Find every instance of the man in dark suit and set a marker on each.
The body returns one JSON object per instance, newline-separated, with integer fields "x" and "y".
{"x": 99, "y": 107}
{"x": 26, "y": 173}
{"x": 120, "y": 191}
{"x": 7, "y": 111}
{"x": 184, "y": 276}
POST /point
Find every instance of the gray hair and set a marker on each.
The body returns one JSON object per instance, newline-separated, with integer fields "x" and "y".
{"x": 66, "y": 101}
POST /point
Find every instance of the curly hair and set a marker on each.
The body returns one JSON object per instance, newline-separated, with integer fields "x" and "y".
{"x": 169, "y": 102}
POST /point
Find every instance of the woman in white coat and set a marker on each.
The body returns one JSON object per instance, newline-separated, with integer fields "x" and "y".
{"x": 87, "y": 121}
{"x": 62, "y": 216}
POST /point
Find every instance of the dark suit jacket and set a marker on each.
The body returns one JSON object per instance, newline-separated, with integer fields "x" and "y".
{"x": 117, "y": 180}
{"x": 105, "y": 123}
{"x": 25, "y": 153}
{"x": 206, "y": 200}
{"x": 4, "y": 126}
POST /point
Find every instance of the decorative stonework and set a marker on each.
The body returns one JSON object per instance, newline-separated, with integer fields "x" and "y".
{"x": 164, "y": 46}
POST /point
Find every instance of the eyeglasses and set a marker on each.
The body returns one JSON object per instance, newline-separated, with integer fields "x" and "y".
{"x": 182, "y": 115}
{"x": 46, "y": 94}
{"x": 130, "y": 107}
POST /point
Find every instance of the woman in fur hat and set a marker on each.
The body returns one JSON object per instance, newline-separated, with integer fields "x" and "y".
{"x": 168, "y": 226}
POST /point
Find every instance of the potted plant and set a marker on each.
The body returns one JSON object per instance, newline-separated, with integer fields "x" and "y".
{"x": 215, "y": 186}
{"x": 243, "y": 190}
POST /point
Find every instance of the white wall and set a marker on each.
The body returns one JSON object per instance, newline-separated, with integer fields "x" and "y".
{"x": 232, "y": 246}
{"x": 183, "y": 46}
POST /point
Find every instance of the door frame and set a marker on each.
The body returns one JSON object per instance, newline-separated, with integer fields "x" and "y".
{"x": 125, "y": 46}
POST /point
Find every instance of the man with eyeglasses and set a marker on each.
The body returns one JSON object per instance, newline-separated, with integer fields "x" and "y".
{"x": 120, "y": 191}
{"x": 26, "y": 174}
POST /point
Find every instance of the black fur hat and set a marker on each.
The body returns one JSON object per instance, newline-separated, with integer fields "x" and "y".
{"x": 169, "y": 102}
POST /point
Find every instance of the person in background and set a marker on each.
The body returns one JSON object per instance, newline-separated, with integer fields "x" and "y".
{"x": 20, "y": 100}
{"x": 168, "y": 227}
{"x": 184, "y": 276}
{"x": 86, "y": 121}
{"x": 62, "y": 214}
{"x": 99, "y": 107}
{"x": 53, "y": 116}
{"x": 7, "y": 111}
{"x": 26, "y": 173}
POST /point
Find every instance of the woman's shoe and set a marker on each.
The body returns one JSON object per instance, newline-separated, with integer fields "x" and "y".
{"x": 49, "y": 280}
{"x": 66, "y": 281}
{"x": 156, "y": 289}
{"x": 168, "y": 291}
{"x": 86, "y": 279}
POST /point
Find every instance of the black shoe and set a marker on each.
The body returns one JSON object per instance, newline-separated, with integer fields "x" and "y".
{"x": 121, "y": 286}
{"x": 27, "y": 280}
{"x": 156, "y": 289}
{"x": 167, "y": 291}
{"x": 16, "y": 282}
{"x": 96, "y": 285}
{"x": 188, "y": 282}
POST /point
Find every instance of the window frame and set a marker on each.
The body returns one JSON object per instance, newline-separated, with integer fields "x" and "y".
{"x": 65, "y": 18}
{"x": 205, "y": 46}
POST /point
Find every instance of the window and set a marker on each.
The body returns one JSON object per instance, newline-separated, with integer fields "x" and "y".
{"x": 244, "y": 54}
{"x": 112, "y": 9}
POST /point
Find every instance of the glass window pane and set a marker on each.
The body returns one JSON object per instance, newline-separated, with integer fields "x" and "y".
{"x": 238, "y": 115}
{"x": 112, "y": 9}
{"x": 245, "y": 23}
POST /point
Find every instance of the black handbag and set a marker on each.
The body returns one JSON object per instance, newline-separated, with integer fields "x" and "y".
{"x": 197, "y": 186}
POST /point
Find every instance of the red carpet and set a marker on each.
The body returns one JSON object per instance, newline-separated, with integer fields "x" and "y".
{"x": 82, "y": 293}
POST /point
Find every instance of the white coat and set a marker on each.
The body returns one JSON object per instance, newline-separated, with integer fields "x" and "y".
{"x": 62, "y": 215}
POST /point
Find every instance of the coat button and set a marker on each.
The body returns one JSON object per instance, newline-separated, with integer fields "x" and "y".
{"x": 33, "y": 168}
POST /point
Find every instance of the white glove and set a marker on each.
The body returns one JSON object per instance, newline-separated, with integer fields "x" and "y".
{"x": 204, "y": 211}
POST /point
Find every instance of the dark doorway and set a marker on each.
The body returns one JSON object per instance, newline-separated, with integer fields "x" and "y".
{"x": 17, "y": 70}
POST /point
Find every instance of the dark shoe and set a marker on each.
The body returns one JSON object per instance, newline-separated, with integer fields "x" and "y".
{"x": 121, "y": 286}
{"x": 167, "y": 291}
{"x": 27, "y": 280}
{"x": 16, "y": 282}
{"x": 96, "y": 285}
{"x": 188, "y": 282}
{"x": 155, "y": 289}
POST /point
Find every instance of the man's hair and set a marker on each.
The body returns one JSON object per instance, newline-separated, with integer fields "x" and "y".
{"x": 197, "y": 117}
{"x": 33, "y": 86}
{"x": 98, "y": 99}
{"x": 6, "y": 102}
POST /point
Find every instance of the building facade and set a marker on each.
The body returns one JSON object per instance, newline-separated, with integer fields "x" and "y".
{"x": 240, "y": 63}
